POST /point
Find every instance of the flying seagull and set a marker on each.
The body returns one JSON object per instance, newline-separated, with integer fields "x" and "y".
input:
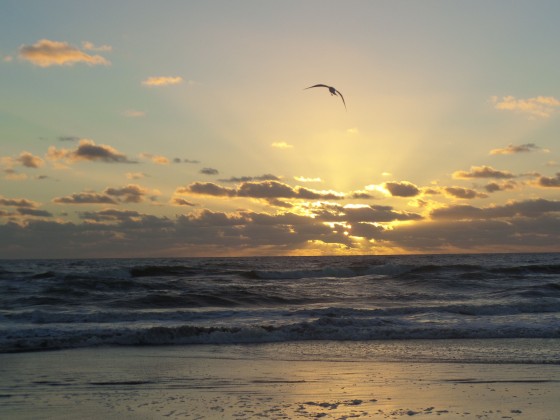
{"x": 333, "y": 92}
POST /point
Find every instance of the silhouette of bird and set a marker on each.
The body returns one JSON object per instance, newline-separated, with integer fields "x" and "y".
{"x": 332, "y": 90}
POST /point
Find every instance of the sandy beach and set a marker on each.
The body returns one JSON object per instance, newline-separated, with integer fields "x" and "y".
{"x": 305, "y": 380}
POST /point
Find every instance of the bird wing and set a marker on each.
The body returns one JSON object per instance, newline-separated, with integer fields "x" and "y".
{"x": 341, "y": 97}
{"x": 317, "y": 86}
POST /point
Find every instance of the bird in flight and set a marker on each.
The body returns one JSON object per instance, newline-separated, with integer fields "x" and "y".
{"x": 333, "y": 92}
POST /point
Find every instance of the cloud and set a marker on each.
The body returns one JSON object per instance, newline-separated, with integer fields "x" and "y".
{"x": 265, "y": 177}
{"x": 133, "y": 113}
{"x": 209, "y": 171}
{"x": 17, "y": 202}
{"x": 511, "y": 149}
{"x": 179, "y": 160}
{"x": 85, "y": 198}
{"x": 131, "y": 193}
{"x": 162, "y": 81}
{"x": 135, "y": 175}
{"x": 281, "y": 145}
{"x": 25, "y": 159}
{"x": 89, "y": 46}
{"x": 33, "y": 212}
{"x": 68, "y": 138}
{"x": 504, "y": 186}
{"x": 89, "y": 151}
{"x": 464, "y": 193}
{"x": 30, "y": 161}
{"x": 549, "y": 182}
{"x": 361, "y": 214}
{"x": 483, "y": 172}
{"x": 268, "y": 190}
{"x": 46, "y": 53}
{"x": 178, "y": 201}
{"x": 402, "y": 189}
{"x": 527, "y": 208}
{"x": 304, "y": 179}
{"x": 111, "y": 215}
{"x": 540, "y": 106}
{"x": 157, "y": 159}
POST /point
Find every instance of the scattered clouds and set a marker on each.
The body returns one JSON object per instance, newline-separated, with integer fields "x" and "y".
{"x": 537, "y": 107}
{"x": 89, "y": 151}
{"x": 483, "y": 172}
{"x": 46, "y": 53}
{"x": 511, "y": 149}
{"x": 158, "y": 81}
{"x": 281, "y": 145}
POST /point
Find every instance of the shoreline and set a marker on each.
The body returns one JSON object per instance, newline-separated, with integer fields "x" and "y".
{"x": 268, "y": 381}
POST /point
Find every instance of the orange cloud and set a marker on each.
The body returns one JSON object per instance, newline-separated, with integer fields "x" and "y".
{"x": 162, "y": 81}
{"x": 46, "y": 53}
{"x": 540, "y": 106}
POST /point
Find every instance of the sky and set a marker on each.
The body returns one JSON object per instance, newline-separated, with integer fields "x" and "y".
{"x": 183, "y": 128}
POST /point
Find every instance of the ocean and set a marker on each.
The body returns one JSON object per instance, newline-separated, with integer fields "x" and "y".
{"x": 408, "y": 300}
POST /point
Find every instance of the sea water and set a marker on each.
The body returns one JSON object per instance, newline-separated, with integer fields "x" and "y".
{"x": 58, "y": 304}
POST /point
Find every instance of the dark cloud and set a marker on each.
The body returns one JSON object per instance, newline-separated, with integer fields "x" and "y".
{"x": 549, "y": 182}
{"x": 402, "y": 189}
{"x": 29, "y": 161}
{"x": 209, "y": 171}
{"x": 269, "y": 190}
{"x": 24, "y": 211}
{"x": 361, "y": 195}
{"x": 89, "y": 151}
{"x": 110, "y": 215}
{"x": 511, "y": 149}
{"x": 369, "y": 214}
{"x": 17, "y": 202}
{"x": 527, "y": 208}
{"x": 495, "y": 187}
{"x": 483, "y": 172}
{"x": 464, "y": 193}
{"x": 85, "y": 198}
{"x": 265, "y": 177}
{"x": 131, "y": 193}
{"x": 68, "y": 138}
{"x": 182, "y": 202}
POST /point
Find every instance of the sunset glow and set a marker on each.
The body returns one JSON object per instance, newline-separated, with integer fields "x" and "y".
{"x": 150, "y": 129}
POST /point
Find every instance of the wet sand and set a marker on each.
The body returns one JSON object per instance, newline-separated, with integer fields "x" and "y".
{"x": 267, "y": 381}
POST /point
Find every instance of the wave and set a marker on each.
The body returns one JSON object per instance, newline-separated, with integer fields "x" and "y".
{"x": 324, "y": 328}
